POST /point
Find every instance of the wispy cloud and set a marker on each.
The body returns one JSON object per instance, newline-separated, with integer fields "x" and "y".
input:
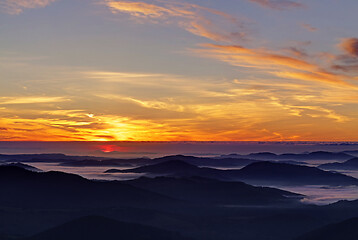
{"x": 196, "y": 19}
{"x": 18, "y": 6}
{"x": 308, "y": 27}
{"x": 30, "y": 100}
{"x": 188, "y": 109}
{"x": 278, "y": 4}
{"x": 350, "y": 46}
{"x": 272, "y": 63}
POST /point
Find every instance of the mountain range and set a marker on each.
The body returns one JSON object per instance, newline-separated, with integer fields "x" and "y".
{"x": 262, "y": 173}
{"x": 351, "y": 164}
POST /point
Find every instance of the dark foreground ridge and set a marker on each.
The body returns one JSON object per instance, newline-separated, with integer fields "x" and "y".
{"x": 96, "y": 228}
{"x": 346, "y": 230}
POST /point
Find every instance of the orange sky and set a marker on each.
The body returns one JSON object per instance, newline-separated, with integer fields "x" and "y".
{"x": 158, "y": 70}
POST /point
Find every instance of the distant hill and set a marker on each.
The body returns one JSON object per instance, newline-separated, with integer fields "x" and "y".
{"x": 203, "y": 190}
{"x": 50, "y": 157}
{"x": 103, "y": 163}
{"x": 23, "y": 188}
{"x": 283, "y": 173}
{"x": 176, "y": 168}
{"x": 318, "y": 155}
{"x": 171, "y": 166}
{"x": 351, "y": 164}
{"x": 346, "y": 230}
{"x": 96, "y": 228}
{"x": 262, "y": 173}
{"x": 198, "y": 161}
{"x": 21, "y": 165}
{"x": 205, "y": 161}
{"x": 83, "y": 161}
{"x": 228, "y": 161}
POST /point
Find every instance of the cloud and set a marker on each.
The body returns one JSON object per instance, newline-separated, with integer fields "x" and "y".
{"x": 143, "y": 106}
{"x": 17, "y": 6}
{"x": 308, "y": 27}
{"x": 30, "y": 100}
{"x": 272, "y": 63}
{"x": 196, "y": 19}
{"x": 350, "y": 46}
{"x": 278, "y": 4}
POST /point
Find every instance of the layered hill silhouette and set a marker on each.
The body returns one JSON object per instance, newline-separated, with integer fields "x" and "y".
{"x": 198, "y": 161}
{"x": 96, "y": 228}
{"x": 283, "y": 173}
{"x": 318, "y": 155}
{"x": 346, "y": 230}
{"x": 44, "y": 157}
{"x": 351, "y": 164}
{"x": 22, "y": 165}
{"x": 264, "y": 173}
{"x": 203, "y": 190}
{"x": 195, "y": 206}
{"x": 230, "y": 160}
{"x": 23, "y": 188}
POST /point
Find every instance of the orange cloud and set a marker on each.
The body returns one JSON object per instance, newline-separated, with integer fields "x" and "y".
{"x": 18, "y": 6}
{"x": 141, "y": 9}
{"x": 267, "y": 61}
{"x": 350, "y": 46}
{"x": 30, "y": 100}
{"x": 246, "y": 110}
{"x": 196, "y": 19}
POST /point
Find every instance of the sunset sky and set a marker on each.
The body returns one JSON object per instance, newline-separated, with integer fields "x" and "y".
{"x": 194, "y": 70}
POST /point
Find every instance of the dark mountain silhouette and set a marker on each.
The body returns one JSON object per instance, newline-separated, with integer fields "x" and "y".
{"x": 291, "y": 162}
{"x": 105, "y": 162}
{"x": 51, "y": 157}
{"x": 344, "y": 204}
{"x": 31, "y": 203}
{"x": 204, "y": 161}
{"x": 231, "y": 160}
{"x": 96, "y": 228}
{"x": 82, "y": 161}
{"x": 203, "y": 190}
{"x": 176, "y": 168}
{"x": 283, "y": 173}
{"x": 172, "y": 166}
{"x": 351, "y": 164}
{"x": 23, "y": 188}
{"x": 257, "y": 156}
{"x": 353, "y": 153}
{"x": 198, "y": 161}
{"x": 21, "y": 165}
{"x": 346, "y": 230}
{"x": 263, "y": 173}
{"x": 318, "y": 155}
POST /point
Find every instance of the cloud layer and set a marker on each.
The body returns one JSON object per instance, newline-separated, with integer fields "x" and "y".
{"x": 196, "y": 19}
{"x": 350, "y": 46}
{"x": 245, "y": 84}
{"x": 18, "y": 6}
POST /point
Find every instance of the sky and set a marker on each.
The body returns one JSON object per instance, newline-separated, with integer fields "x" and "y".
{"x": 170, "y": 70}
